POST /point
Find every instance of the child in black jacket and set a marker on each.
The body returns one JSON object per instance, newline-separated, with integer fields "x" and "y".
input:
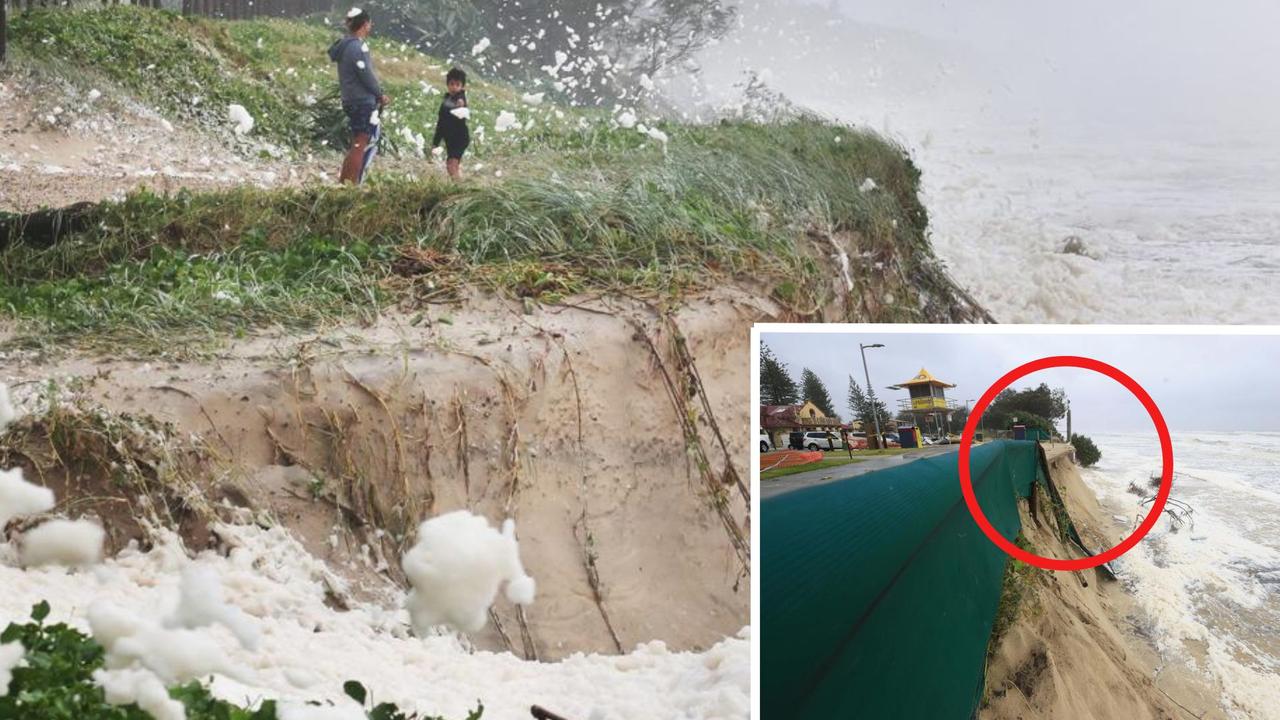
{"x": 451, "y": 124}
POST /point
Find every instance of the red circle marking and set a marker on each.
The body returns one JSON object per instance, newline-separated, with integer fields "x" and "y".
{"x": 1166, "y": 458}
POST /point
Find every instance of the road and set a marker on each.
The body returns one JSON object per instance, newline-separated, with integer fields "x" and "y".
{"x": 771, "y": 488}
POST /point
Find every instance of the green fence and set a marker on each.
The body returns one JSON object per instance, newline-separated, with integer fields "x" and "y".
{"x": 877, "y": 593}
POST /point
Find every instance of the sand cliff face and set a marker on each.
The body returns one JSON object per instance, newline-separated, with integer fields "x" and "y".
{"x": 1073, "y": 651}
{"x": 612, "y": 434}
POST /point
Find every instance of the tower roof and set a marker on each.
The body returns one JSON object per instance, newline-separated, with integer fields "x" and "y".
{"x": 924, "y": 377}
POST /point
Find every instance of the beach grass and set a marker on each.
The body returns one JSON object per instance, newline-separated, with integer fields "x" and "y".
{"x": 582, "y": 205}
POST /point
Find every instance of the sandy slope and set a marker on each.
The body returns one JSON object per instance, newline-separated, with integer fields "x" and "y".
{"x": 482, "y": 408}
{"x": 1074, "y": 651}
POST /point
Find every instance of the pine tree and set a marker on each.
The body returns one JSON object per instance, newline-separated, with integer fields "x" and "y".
{"x": 776, "y": 385}
{"x": 857, "y": 399}
{"x": 816, "y": 393}
{"x": 863, "y": 410}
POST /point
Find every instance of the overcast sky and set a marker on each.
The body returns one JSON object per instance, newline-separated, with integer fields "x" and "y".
{"x": 1199, "y": 382}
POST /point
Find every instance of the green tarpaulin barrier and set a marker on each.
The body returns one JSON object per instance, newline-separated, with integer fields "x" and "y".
{"x": 878, "y": 593}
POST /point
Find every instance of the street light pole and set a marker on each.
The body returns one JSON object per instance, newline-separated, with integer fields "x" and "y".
{"x": 870, "y": 392}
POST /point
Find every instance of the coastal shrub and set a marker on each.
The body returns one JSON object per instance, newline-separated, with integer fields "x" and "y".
{"x": 1086, "y": 452}
{"x": 1033, "y": 422}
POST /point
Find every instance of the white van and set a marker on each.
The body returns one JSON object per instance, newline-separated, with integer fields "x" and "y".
{"x": 766, "y": 444}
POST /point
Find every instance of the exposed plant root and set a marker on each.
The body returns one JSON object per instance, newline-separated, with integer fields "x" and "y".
{"x": 412, "y": 509}
{"x": 426, "y": 458}
{"x": 502, "y": 632}
{"x": 134, "y": 473}
{"x": 593, "y": 576}
{"x": 530, "y": 649}
{"x": 694, "y": 380}
{"x": 687, "y": 416}
{"x": 463, "y": 446}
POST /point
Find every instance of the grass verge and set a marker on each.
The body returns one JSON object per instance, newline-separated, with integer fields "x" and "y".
{"x": 830, "y": 462}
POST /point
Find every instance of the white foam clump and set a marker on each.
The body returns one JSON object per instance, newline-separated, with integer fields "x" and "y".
{"x": 533, "y": 98}
{"x": 241, "y": 117}
{"x": 130, "y": 686}
{"x": 10, "y": 655}
{"x": 19, "y": 497}
{"x": 456, "y": 567}
{"x": 73, "y": 543}
{"x": 867, "y": 185}
{"x": 657, "y": 134}
{"x": 627, "y": 119}
{"x": 307, "y": 643}
{"x": 480, "y": 46}
{"x": 418, "y": 142}
{"x": 461, "y": 113}
{"x": 201, "y": 604}
{"x": 174, "y": 656}
{"x": 506, "y": 121}
{"x": 7, "y": 412}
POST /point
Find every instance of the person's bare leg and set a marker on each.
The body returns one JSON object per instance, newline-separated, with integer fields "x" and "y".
{"x": 351, "y": 163}
{"x": 455, "y": 168}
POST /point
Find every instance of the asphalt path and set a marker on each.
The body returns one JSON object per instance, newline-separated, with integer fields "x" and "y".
{"x": 771, "y": 488}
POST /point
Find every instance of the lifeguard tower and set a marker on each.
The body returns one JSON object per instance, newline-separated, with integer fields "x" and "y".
{"x": 927, "y": 401}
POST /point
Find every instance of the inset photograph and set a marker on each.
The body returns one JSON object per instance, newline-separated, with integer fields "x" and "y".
{"x": 1020, "y": 523}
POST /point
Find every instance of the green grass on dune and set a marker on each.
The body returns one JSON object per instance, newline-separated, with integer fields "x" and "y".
{"x": 582, "y": 204}
{"x": 721, "y": 202}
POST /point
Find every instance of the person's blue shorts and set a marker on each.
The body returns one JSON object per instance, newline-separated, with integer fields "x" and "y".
{"x": 358, "y": 115}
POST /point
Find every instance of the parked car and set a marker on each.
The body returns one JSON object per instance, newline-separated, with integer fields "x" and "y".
{"x": 891, "y": 440}
{"x": 815, "y": 441}
{"x": 766, "y": 444}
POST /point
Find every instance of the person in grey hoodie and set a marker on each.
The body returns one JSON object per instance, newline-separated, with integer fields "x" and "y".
{"x": 362, "y": 96}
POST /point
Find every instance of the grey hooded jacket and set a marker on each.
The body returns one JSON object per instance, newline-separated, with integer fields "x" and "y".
{"x": 355, "y": 71}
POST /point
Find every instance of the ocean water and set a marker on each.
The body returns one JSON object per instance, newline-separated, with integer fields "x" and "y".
{"x": 1208, "y": 590}
{"x": 1184, "y": 228}
{"x": 1179, "y": 212}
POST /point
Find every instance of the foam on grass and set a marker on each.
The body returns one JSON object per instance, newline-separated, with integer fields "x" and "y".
{"x": 456, "y": 568}
{"x": 174, "y": 656}
{"x": 10, "y": 655}
{"x": 137, "y": 686}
